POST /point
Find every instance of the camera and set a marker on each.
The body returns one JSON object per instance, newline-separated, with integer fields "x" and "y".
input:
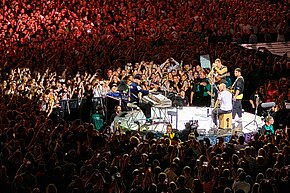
{"x": 192, "y": 125}
{"x": 190, "y": 131}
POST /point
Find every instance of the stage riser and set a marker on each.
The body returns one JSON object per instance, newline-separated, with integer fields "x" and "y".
{"x": 203, "y": 115}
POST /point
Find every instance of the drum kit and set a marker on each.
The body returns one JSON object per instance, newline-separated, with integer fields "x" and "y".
{"x": 130, "y": 120}
{"x": 135, "y": 120}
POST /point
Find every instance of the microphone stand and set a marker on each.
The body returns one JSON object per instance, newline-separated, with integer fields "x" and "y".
{"x": 212, "y": 95}
{"x": 129, "y": 93}
{"x": 255, "y": 117}
{"x": 163, "y": 85}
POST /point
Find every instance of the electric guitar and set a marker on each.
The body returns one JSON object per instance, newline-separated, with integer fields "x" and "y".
{"x": 231, "y": 89}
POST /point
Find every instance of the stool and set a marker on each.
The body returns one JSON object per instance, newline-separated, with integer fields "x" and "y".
{"x": 225, "y": 121}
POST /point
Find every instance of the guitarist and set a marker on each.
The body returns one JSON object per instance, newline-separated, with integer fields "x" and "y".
{"x": 238, "y": 89}
{"x": 217, "y": 75}
{"x": 218, "y": 72}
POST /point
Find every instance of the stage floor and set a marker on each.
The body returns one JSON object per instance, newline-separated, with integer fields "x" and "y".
{"x": 178, "y": 117}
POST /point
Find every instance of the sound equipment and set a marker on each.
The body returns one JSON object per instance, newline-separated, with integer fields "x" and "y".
{"x": 130, "y": 120}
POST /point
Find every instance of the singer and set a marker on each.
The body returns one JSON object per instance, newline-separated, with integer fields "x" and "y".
{"x": 224, "y": 102}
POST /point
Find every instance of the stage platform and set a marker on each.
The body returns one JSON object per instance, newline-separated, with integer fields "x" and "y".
{"x": 178, "y": 117}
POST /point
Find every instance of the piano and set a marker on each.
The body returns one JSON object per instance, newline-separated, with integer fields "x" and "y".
{"x": 158, "y": 100}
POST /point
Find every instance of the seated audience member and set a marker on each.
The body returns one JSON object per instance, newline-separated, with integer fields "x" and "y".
{"x": 224, "y": 103}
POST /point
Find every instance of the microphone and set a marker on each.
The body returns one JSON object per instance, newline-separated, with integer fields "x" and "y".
{"x": 268, "y": 105}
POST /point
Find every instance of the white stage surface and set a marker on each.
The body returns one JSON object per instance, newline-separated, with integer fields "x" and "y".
{"x": 178, "y": 117}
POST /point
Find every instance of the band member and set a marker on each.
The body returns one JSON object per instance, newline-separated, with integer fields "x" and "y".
{"x": 218, "y": 73}
{"x": 224, "y": 101}
{"x": 136, "y": 93}
{"x": 238, "y": 89}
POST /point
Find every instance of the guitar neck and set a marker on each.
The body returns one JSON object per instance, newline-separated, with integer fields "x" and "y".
{"x": 224, "y": 75}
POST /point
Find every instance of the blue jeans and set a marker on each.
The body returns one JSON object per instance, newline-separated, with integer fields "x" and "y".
{"x": 217, "y": 112}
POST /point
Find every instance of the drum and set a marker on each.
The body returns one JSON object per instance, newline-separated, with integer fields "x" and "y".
{"x": 130, "y": 120}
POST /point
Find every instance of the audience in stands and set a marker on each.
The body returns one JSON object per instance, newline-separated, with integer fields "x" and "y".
{"x": 86, "y": 35}
{"x": 41, "y": 152}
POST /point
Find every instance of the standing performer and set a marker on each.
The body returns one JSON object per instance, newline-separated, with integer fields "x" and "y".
{"x": 238, "y": 89}
{"x": 218, "y": 73}
{"x": 224, "y": 102}
{"x": 216, "y": 76}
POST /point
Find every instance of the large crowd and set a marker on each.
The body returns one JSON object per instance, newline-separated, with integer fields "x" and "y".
{"x": 57, "y": 54}
{"x": 41, "y": 154}
{"x": 85, "y": 35}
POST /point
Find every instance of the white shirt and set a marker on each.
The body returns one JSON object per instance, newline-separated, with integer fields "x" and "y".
{"x": 225, "y": 98}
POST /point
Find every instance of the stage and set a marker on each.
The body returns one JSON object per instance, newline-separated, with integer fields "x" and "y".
{"x": 178, "y": 117}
